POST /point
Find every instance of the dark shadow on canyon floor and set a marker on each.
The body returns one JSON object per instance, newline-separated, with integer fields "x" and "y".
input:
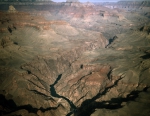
{"x": 89, "y": 106}
{"x": 10, "y": 107}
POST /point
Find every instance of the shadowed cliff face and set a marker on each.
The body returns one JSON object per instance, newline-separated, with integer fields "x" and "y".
{"x": 73, "y": 59}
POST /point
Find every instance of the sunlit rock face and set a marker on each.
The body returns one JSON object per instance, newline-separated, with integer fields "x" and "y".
{"x": 11, "y": 9}
{"x": 68, "y": 60}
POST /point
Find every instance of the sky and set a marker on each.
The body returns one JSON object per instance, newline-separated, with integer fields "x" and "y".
{"x": 86, "y": 0}
{"x": 97, "y": 0}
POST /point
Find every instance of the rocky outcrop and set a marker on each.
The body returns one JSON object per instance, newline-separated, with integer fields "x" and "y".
{"x": 6, "y": 41}
{"x": 12, "y": 9}
{"x": 145, "y": 29}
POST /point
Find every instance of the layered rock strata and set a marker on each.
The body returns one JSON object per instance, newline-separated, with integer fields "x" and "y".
{"x": 28, "y": 83}
{"x": 63, "y": 70}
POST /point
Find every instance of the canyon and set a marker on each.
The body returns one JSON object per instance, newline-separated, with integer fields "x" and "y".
{"x": 75, "y": 59}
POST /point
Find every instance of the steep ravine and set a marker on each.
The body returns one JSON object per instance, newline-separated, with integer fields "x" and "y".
{"x": 54, "y": 94}
{"x": 42, "y": 84}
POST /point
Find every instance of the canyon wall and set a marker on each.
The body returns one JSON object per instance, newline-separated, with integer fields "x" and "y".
{"x": 73, "y": 60}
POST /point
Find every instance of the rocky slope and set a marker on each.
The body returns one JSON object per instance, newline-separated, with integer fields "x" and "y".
{"x": 61, "y": 66}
